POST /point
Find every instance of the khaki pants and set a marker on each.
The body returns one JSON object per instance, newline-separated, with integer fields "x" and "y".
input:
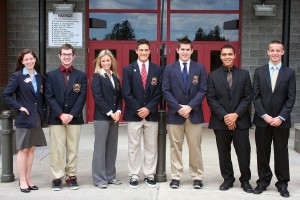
{"x": 64, "y": 138}
{"x": 193, "y": 134}
{"x": 149, "y": 131}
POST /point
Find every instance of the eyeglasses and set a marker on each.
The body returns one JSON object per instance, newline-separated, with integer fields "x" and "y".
{"x": 66, "y": 54}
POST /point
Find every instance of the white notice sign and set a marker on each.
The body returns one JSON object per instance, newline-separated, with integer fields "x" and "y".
{"x": 64, "y": 29}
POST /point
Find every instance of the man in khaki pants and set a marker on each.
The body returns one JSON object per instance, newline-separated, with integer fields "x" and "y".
{"x": 66, "y": 89}
{"x": 184, "y": 87}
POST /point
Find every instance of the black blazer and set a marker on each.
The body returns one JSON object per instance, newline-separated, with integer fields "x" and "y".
{"x": 25, "y": 97}
{"x": 222, "y": 100}
{"x": 136, "y": 97}
{"x": 278, "y": 103}
{"x": 63, "y": 100}
{"x": 174, "y": 93}
{"x": 106, "y": 97}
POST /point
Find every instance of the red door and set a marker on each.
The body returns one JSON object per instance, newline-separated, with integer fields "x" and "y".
{"x": 209, "y": 55}
{"x": 124, "y": 53}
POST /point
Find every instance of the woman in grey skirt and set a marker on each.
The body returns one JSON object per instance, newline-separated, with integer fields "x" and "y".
{"x": 27, "y": 84}
{"x": 107, "y": 111}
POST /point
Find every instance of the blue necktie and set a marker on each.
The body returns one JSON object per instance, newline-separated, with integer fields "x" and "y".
{"x": 185, "y": 76}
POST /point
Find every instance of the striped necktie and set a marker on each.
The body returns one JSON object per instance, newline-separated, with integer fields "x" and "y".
{"x": 144, "y": 75}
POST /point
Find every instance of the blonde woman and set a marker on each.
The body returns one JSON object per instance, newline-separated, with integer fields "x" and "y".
{"x": 107, "y": 111}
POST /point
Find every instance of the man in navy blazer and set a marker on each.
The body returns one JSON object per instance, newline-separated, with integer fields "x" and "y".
{"x": 229, "y": 94}
{"x": 141, "y": 90}
{"x": 274, "y": 88}
{"x": 66, "y": 89}
{"x": 184, "y": 87}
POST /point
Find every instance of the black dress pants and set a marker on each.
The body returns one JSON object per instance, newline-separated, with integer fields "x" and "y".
{"x": 241, "y": 143}
{"x": 263, "y": 139}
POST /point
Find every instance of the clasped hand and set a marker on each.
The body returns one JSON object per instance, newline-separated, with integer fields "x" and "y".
{"x": 184, "y": 111}
{"x": 276, "y": 121}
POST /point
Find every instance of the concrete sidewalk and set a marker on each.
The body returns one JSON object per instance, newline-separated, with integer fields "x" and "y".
{"x": 41, "y": 175}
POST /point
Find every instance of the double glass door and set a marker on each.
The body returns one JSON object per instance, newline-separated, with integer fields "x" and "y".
{"x": 161, "y": 54}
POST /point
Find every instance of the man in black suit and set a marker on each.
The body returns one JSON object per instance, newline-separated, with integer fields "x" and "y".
{"x": 66, "y": 89}
{"x": 229, "y": 96}
{"x": 141, "y": 90}
{"x": 274, "y": 92}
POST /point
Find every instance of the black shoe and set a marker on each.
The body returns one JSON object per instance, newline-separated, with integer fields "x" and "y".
{"x": 56, "y": 184}
{"x": 150, "y": 181}
{"x": 134, "y": 183}
{"x": 72, "y": 182}
{"x": 33, "y": 187}
{"x": 25, "y": 190}
{"x": 197, "y": 184}
{"x": 174, "y": 184}
{"x": 284, "y": 192}
{"x": 259, "y": 189}
{"x": 247, "y": 187}
{"x": 226, "y": 185}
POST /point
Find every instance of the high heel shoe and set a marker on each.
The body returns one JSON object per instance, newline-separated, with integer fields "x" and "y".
{"x": 33, "y": 187}
{"x": 25, "y": 190}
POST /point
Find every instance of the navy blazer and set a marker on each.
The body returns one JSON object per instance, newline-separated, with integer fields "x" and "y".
{"x": 25, "y": 97}
{"x": 222, "y": 100}
{"x": 136, "y": 97}
{"x": 174, "y": 93}
{"x": 62, "y": 99}
{"x": 277, "y": 103}
{"x": 106, "y": 97}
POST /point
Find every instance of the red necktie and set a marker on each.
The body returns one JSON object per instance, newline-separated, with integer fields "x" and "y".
{"x": 144, "y": 75}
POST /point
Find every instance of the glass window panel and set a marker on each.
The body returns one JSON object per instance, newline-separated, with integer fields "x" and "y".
{"x": 164, "y": 21}
{"x": 124, "y": 26}
{"x": 113, "y": 51}
{"x": 205, "y": 5}
{"x": 123, "y": 4}
{"x": 133, "y": 56}
{"x": 204, "y": 27}
{"x": 215, "y": 61}
{"x": 194, "y": 55}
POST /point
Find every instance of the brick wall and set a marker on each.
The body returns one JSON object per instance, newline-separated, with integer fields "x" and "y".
{"x": 3, "y": 43}
{"x": 257, "y": 32}
{"x": 3, "y": 48}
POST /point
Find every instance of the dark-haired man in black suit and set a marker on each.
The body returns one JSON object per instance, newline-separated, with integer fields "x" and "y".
{"x": 274, "y": 92}
{"x": 229, "y": 96}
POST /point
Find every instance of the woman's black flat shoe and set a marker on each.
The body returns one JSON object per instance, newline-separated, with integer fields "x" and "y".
{"x": 34, "y": 187}
{"x": 26, "y": 190}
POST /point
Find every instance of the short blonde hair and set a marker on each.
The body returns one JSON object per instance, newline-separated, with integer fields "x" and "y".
{"x": 97, "y": 62}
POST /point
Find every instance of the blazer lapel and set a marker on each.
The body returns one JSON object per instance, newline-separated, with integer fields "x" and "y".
{"x": 108, "y": 81}
{"x": 117, "y": 87}
{"x": 267, "y": 76}
{"x": 137, "y": 74}
{"x": 61, "y": 79}
{"x": 29, "y": 84}
{"x": 178, "y": 73}
{"x": 71, "y": 80}
{"x": 223, "y": 77}
{"x": 281, "y": 74}
{"x": 235, "y": 77}
{"x": 192, "y": 72}
{"x": 149, "y": 76}
{"x": 39, "y": 83}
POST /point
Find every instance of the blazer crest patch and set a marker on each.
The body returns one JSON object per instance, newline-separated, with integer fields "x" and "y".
{"x": 195, "y": 79}
{"x": 76, "y": 87}
{"x": 27, "y": 80}
{"x": 154, "y": 81}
